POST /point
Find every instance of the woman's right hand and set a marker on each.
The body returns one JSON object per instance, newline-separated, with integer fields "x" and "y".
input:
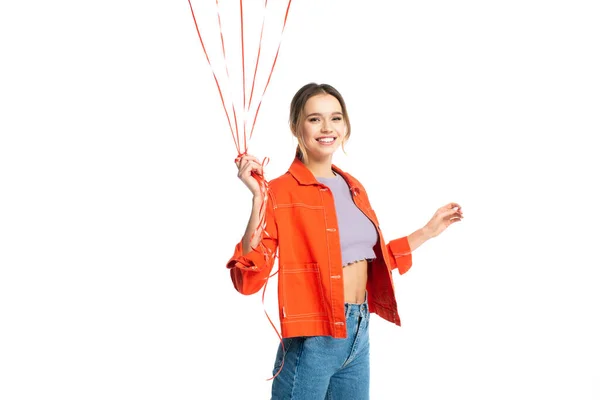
{"x": 246, "y": 165}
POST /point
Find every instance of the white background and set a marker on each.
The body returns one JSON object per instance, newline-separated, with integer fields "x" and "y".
{"x": 120, "y": 204}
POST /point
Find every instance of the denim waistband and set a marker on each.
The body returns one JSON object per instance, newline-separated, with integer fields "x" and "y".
{"x": 361, "y": 309}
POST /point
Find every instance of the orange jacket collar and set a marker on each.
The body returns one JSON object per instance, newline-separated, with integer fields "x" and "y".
{"x": 305, "y": 177}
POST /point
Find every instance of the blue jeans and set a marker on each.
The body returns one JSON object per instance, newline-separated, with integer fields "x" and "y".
{"x": 321, "y": 367}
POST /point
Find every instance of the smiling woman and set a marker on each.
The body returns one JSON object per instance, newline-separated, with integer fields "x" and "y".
{"x": 335, "y": 267}
{"x": 319, "y": 113}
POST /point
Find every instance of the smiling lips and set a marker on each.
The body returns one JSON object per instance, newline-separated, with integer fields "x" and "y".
{"x": 326, "y": 140}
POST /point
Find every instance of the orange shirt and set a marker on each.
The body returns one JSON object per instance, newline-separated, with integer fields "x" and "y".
{"x": 301, "y": 225}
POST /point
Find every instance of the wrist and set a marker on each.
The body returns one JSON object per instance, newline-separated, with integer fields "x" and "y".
{"x": 426, "y": 233}
{"x": 257, "y": 199}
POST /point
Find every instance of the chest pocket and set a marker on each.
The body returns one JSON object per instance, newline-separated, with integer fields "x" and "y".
{"x": 302, "y": 290}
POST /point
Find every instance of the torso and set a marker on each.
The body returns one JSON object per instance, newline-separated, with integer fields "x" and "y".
{"x": 355, "y": 282}
{"x": 355, "y": 274}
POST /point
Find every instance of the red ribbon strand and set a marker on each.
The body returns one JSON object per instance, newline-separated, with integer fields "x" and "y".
{"x": 241, "y": 151}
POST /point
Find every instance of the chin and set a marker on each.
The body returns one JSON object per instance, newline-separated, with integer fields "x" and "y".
{"x": 318, "y": 155}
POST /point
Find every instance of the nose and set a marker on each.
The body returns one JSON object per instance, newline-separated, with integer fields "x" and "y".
{"x": 326, "y": 127}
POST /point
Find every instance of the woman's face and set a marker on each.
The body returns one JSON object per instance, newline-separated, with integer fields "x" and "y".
{"x": 323, "y": 127}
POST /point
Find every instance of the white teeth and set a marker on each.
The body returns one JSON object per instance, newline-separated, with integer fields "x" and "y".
{"x": 326, "y": 140}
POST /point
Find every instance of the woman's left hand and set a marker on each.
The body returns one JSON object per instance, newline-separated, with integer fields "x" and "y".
{"x": 443, "y": 218}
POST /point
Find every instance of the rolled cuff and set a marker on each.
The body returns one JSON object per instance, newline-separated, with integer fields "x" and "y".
{"x": 248, "y": 262}
{"x": 400, "y": 251}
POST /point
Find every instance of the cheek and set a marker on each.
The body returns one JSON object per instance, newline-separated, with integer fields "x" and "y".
{"x": 307, "y": 133}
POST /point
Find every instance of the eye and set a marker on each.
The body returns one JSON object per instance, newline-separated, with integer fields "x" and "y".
{"x": 313, "y": 119}
{"x": 337, "y": 118}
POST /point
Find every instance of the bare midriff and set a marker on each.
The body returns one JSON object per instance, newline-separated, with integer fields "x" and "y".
{"x": 355, "y": 281}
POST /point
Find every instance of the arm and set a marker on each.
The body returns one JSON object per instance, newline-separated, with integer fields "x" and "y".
{"x": 247, "y": 244}
{"x": 401, "y": 249}
{"x": 417, "y": 238}
{"x": 251, "y": 263}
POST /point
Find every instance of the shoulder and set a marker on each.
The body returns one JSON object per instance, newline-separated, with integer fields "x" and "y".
{"x": 283, "y": 182}
{"x": 281, "y": 186}
{"x": 352, "y": 180}
{"x": 351, "y": 177}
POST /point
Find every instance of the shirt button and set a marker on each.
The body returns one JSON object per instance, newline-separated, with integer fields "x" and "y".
{"x": 331, "y": 229}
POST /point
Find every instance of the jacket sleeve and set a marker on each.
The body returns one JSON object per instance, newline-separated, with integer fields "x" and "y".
{"x": 250, "y": 271}
{"x": 400, "y": 254}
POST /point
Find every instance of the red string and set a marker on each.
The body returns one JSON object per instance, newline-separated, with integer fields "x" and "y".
{"x": 268, "y": 254}
{"x": 243, "y": 70}
{"x": 214, "y": 76}
{"x": 264, "y": 188}
{"x": 273, "y": 66}
{"x": 237, "y": 131}
{"x": 258, "y": 55}
{"x": 274, "y": 327}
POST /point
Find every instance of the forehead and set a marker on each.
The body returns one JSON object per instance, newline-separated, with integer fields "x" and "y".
{"x": 322, "y": 103}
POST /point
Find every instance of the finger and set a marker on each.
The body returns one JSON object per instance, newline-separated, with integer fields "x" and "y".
{"x": 251, "y": 158}
{"x": 453, "y": 219}
{"x": 451, "y": 212}
{"x": 249, "y": 167}
{"x": 451, "y": 205}
{"x": 244, "y": 159}
{"x": 248, "y": 159}
{"x": 239, "y": 162}
{"x": 245, "y": 168}
{"x": 257, "y": 168}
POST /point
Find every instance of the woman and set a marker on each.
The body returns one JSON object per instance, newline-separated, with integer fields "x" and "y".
{"x": 334, "y": 265}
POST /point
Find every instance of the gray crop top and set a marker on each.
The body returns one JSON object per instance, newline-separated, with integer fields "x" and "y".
{"x": 357, "y": 233}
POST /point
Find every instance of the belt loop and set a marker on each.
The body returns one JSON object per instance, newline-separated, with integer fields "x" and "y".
{"x": 363, "y": 306}
{"x": 347, "y": 310}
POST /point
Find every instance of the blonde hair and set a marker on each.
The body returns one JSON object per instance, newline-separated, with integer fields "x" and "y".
{"x": 297, "y": 113}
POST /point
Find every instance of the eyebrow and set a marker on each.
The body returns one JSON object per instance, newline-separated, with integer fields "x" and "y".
{"x": 319, "y": 114}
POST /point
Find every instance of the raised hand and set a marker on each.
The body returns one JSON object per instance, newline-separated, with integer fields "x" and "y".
{"x": 247, "y": 165}
{"x": 443, "y": 218}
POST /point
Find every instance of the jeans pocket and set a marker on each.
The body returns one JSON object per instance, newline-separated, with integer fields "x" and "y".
{"x": 290, "y": 345}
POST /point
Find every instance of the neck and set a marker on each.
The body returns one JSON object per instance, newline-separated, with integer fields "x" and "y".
{"x": 320, "y": 168}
